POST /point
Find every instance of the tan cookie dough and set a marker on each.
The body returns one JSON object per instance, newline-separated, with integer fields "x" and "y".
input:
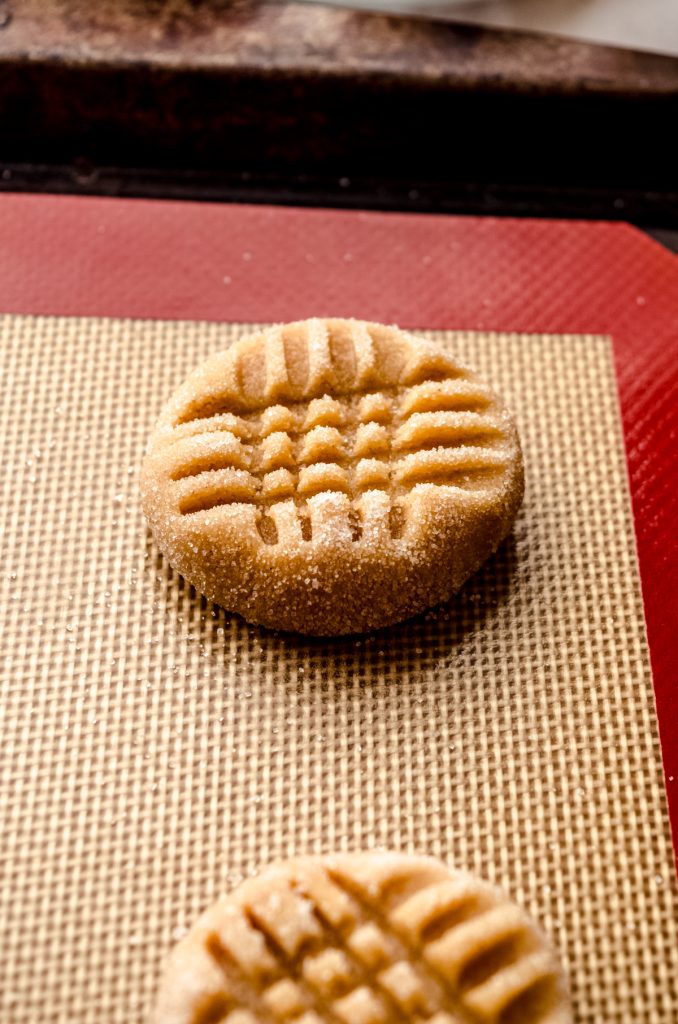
{"x": 331, "y": 476}
{"x": 373, "y": 938}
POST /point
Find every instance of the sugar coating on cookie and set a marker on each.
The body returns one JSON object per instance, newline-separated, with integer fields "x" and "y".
{"x": 371, "y": 938}
{"x": 331, "y": 476}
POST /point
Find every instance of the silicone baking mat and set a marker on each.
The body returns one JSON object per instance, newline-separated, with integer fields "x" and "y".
{"x": 156, "y": 749}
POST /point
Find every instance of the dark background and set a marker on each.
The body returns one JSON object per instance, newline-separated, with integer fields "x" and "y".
{"x": 292, "y": 103}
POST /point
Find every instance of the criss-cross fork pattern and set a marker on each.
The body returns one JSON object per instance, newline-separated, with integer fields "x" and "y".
{"x": 303, "y": 414}
{"x": 320, "y": 950}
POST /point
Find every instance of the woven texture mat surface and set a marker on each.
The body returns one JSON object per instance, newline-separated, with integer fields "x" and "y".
{"x": 155, "y": 750}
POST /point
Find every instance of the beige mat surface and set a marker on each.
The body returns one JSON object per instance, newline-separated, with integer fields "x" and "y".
{"x": 155, "y": 750}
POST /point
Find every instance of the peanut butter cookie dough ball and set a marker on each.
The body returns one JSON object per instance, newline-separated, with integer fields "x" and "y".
{"x": 331, "y": 476}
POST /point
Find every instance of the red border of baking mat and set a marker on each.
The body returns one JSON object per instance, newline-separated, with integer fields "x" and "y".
{"x": 139, "y": 258}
